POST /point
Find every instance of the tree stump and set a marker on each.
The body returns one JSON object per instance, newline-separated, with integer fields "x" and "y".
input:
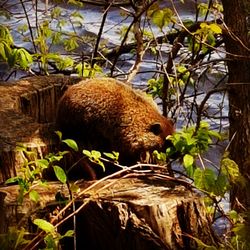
{"x": 147, "y": 212}
{"x": 27, "y": 112}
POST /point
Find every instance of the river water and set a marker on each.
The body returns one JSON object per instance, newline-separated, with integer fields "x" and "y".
{"x": 89, "y": 27}
{"x": 217, "y": 104}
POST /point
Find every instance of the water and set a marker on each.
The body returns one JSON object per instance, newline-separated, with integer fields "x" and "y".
{"x": 216, "y": 106}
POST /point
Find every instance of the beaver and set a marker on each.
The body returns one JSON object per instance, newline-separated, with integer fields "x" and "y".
{"x": 108, "y": 115}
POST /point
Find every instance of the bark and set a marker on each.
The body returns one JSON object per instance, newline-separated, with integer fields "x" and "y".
{"x": 146, "y": 213}
{"x": 238, "y": 45}
{"x": 27, "y": 112}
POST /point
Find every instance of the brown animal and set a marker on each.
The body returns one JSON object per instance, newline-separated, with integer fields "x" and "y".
{"x": 108, "y": 115}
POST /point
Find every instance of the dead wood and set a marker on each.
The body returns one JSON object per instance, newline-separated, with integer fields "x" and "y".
{"x": 127, "y": 213}
{"x": 27, "y": 112}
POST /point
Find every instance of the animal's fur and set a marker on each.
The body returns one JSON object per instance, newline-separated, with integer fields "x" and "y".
{"x": 108, "y": 115}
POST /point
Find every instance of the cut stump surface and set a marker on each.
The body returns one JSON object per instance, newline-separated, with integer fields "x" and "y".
{"x": 128, "y": 213}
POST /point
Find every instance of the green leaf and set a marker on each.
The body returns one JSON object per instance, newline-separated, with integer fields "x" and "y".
{"x": 101, "y": 164}
{"x": 69, "y": 233}
{"x": 241, "y": 231}
{"x": 34, "y": 196}
{"x": 94, "y": 156}
{"x": 215, "y": 28}
{"x": 188, "y": 160}
{"x": 77, "y": 14}
{"x": 56, "y": 12}
{"x": 221, "y": 185}
{"x": 188, "y": 22}
{"x": 203, "y": 8}
{"x": 162, "y": 17}
{"x": 50, "y": 242}
{"x": 71, "y": 143}
{"x": 24, "y": 58}
{"x": 190, "y": 171}
{"x": 158, "y": 18}
{"x": 59, "y": 134}
{"x": 109, "y": 155}
{"x": 214, "y": 134}
{"x": 21, "y": 238}
{"x": 79, "y": 69}
{"x": 71, "y": 44}
{"x": 52, "y": 158}
{"x": 42, "y": 163}
{"x": 114, "y": 155}
{"x": 97, "y": 69}
{"x": 12, "y": 57}
{"x": 190, "y": 140}
{"x": 74, "y": 188}
{"x": 44, "y": 225}
{"x": 64, "y": 63}
{"x": 23, "y": 28}
{"x": 87, "y": 153}
{"x": 231, "y": 169}
{"x": 3, "y": 46}
{"x": 160, "y": 156}
{"x": 204, "y": 179}
{"x": 60, "y": 174}
{"x": 182, "y": 69}
{"x": 12, "y": 180}
{"x": 56, "y": 37}
{"x": 6, "y": 35}
{"x": 233, "y": 215}
{"x": 75, "y": 2}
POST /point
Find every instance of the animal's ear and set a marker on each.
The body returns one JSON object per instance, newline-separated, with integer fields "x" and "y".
{"x": 156, "y": 128}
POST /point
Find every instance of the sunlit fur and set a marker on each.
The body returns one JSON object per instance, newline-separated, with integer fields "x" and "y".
{"x": 106, "y": 115}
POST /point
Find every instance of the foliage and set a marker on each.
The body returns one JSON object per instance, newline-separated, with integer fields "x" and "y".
{"x": 49, "y": 32}
{"x": 18, "y": 57}
{"x": 204, "y": 37}
{"x": 32, "y": 171}
{"x": 14, "y": 239}
{"x": 183, "y": 60}
{"x": 32, "y": 174}
{"x": 180, "y": 81}
{"x": 188, "y": 146}
{"x": 161, "y": 17}
{"x": 86, "y": 70}
{"x": 52, "y": 237}
{"x": 95, "y": 157}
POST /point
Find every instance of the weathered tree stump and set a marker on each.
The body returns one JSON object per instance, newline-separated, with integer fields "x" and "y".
{"x": 27, "y": 112}
{"x": 129, "y": 213}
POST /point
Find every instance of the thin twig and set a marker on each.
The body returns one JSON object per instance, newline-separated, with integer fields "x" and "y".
{"x": 136, "y": 18}
{"x": 98, "y": 39}
{"x": 29, "y": 25}
{"x": 201, "y": 106}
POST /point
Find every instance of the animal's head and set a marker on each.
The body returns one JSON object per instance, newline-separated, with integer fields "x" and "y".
{"x": 148, "y": 136}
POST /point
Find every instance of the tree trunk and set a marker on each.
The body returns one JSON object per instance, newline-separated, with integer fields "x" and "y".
{"x": 238, "y": 45}
{"x": 146, "y": 213}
